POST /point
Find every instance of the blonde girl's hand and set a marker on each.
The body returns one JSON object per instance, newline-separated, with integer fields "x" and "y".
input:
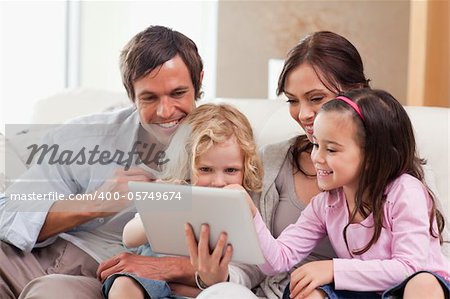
{"x": 212, "y": 267}
{"x": 250, "y": 202}
{"x": 133, "y": 234}
{"x": 308, "y": 277}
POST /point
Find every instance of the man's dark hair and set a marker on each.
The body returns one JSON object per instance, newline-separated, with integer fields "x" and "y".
{"x": 151, "y": 48}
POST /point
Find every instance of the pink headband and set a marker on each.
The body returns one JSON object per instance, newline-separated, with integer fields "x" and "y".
{"x": 351, "y": 104}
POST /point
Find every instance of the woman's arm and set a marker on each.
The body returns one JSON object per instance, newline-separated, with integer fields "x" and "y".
{"x": 247, "y": 275}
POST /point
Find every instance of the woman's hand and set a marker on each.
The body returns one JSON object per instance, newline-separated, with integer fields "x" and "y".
{"x": 308, "y": 277}
{"x": 211, "y": 267}
{"x": 250, "y": 202}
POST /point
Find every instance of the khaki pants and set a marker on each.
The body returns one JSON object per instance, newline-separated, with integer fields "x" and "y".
{"x": 60, "y": 270}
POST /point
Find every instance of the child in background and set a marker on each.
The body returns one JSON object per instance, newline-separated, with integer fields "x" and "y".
{"x": 214, "y": 148}
{"x": 377, "y": 211}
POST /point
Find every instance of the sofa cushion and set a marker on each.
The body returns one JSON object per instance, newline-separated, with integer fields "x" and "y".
{"x": 11, "y": 165}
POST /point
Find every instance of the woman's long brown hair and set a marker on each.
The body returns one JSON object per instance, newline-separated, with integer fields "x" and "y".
{"x": 336, "y": 62}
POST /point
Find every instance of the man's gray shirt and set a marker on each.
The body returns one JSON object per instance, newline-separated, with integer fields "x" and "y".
{"x": 22, "y": 220}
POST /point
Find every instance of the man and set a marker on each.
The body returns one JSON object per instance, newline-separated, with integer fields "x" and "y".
{"x": 51, "y": 248}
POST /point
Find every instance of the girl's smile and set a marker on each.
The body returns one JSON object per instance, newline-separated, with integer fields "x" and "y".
{"x": 337, "y": 154}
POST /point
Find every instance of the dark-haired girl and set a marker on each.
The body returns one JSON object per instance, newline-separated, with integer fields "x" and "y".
{"x": 377, "y": 211}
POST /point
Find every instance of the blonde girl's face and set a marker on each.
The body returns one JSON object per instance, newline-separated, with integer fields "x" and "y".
{"x": 306, "y": 94}
{"x": 337, "y": 156}
{"x": 221, "y": 165}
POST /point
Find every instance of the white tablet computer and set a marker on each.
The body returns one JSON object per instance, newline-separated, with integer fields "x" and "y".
{"x": 165, "y": 208}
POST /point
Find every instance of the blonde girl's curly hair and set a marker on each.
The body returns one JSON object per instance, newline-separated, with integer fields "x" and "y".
{"x": 207, "y": 125}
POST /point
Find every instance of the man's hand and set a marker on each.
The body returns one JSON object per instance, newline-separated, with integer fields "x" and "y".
{"x": 212, "y": 267}
{"x": 170, "y": 269}
{"x": 117, "y": 188}
{"x": 308, "y": 277}
{"x": 67, "y": 214}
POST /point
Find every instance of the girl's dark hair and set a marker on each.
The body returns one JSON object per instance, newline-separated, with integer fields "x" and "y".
{"x": 337, "y": 64}
{"x": 387, "y": 139}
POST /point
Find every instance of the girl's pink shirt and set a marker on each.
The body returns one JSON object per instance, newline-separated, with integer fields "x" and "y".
{"x": 405, "y": 245}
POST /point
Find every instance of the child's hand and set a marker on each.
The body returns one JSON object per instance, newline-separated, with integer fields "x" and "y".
{"x": 133, "y": 234}
{"x": 250, "y": 202}
{"x": 211, "y": 267}
{"x": 308, "y": 277}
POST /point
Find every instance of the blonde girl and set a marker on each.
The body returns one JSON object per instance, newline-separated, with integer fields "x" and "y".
{"x": 215, "y": 148}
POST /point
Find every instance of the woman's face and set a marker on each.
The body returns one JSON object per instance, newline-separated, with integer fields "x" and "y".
{"x": 306, "y": 94}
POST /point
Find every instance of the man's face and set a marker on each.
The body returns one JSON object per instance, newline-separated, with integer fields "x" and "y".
{"x": 164, "y": 97}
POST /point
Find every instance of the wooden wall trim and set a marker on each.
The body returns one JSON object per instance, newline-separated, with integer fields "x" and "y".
{"x": 429, "y": 51}
{"x": 437, "y": 79}
{"x": 417, "y": 53}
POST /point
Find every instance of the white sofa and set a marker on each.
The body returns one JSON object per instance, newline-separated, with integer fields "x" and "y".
{"x": 271, "y": 122}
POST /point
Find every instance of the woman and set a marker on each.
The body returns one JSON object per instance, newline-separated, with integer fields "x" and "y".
{"x": 317, "y": 69}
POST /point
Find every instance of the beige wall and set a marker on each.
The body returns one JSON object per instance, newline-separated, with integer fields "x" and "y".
{"x": 106, "y": 26}
{"x": 251, "y": 32}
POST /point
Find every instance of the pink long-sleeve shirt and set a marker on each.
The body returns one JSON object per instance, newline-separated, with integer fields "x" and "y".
{"x": 405, "y": 245}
